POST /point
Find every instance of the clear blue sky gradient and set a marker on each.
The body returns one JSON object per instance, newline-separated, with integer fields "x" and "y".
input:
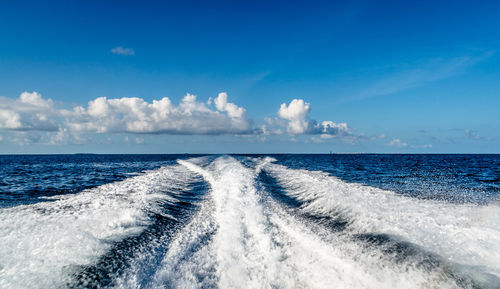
{"x": 424, "y": 72}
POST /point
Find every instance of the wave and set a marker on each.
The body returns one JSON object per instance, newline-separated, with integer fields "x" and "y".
{"x": 466, "y": 235}
{"x": 45, "y": 245}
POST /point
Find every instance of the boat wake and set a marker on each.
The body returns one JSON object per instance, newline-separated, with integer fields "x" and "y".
{"x": 241, "y": 222}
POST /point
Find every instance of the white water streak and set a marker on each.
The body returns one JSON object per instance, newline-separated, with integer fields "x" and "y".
{"x": 43, "y": 244}
{"x": 466, "y": 234}
{"x": 260, "y": 246}
{"x": 241, "y": 238}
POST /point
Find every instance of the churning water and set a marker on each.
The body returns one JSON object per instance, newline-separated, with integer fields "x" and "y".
{"x": 256, "y": 221}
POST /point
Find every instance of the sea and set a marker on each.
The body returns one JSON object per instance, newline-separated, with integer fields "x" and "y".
{"x": 250, "y": 221}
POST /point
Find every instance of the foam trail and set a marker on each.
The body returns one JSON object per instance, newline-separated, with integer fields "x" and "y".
{"x": 237, "y": 235}
{"x": 241, "y": 238}
{"x": 244, "y": 252}
{"x": 45, "y": 244}
{"x": 463, "y": 234}
{"x": 188, "y": 263}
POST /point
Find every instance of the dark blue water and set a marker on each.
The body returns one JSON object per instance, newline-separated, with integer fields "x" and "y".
{"x": 28, "y": 178}
{"x": 455, "y": 178}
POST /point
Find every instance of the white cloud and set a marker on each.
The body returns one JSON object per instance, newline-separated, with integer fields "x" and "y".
{"x": 123, "y": 51}
{"x": 128, "y": 114}
{"x": 296, "y": 113}
{"x": 232, "y": 110}
{"x": 10, "y": 119}
{"x": 135, "y": 115}
{"x": 333, "y": 129}
{"x": 65, "y": 136}
{"x": 29, "y": 112}
{"x": 32, "y": 112}
{"x": 272, "y": 126}
{"x": 397, "y": 143}
{"x": 23, "y": 138}
{"x": 36, "y": 100}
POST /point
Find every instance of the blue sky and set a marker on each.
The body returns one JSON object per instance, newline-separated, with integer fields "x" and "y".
{"x": 367, "y": 76}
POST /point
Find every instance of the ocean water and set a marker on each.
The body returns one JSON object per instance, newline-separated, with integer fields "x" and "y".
{"x": 250, "y": 221}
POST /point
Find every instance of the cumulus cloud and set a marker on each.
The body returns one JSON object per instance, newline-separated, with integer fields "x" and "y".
{"x": 32, "y": 112}
{"x": 232, "y": 110}
{"x": 296, "y": 114}
{"x": 135, "y": 115}
{"x": 29, "y": 112}
{"x": 65, "y": 136}
{"x": 123, "y": 51}
{"x": 128, "y": 114}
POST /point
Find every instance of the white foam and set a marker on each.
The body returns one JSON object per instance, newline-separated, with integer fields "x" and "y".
{"x": 44, "y": 243}
{"x": 188, "y": 262}
{"x": 243, "y": 251}
{"x": 465, "y": 234}
{"x": 256, "y": 244}
{"x": 240, "y": 237}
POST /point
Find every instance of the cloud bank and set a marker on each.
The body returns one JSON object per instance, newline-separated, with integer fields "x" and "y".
{"x": 135, "y": 115}
{"x": 29, "y": 112}
{"x": 217, "y": 116}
